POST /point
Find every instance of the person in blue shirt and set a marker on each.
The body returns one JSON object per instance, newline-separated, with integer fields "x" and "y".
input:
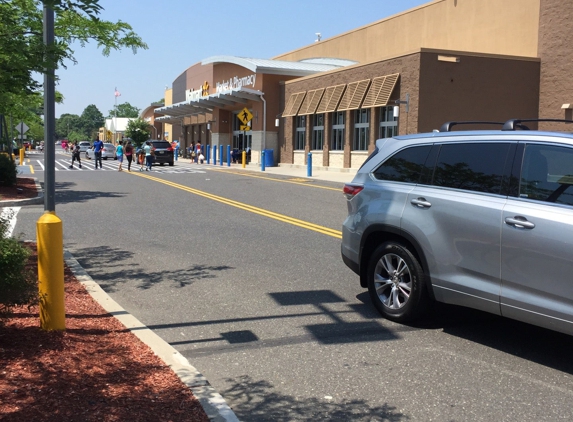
{"x": 119, "y": 155}
{"x": 148, "y": 157}
{"x": 98, "y": 146}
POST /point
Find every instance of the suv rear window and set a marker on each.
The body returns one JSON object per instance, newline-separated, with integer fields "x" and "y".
{"x": 404, "y": 166}
{"x": 161, "y": 144}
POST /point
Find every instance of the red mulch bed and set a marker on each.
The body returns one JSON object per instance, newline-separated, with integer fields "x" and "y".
{"x": 25, "y": 187}
{"x": 96, "y": 370}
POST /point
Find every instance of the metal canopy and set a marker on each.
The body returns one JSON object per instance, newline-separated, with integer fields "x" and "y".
{"x": 228, "y": 98}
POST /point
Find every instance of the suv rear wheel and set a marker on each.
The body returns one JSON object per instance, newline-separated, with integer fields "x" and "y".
{"x": 395, "y": 283}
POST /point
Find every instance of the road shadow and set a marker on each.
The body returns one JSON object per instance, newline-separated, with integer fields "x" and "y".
{"x": 259, "y": 401}
{"x": 111, "y": 267}
{"x": 65, "y": 193}
{"x": 536, "y": 344}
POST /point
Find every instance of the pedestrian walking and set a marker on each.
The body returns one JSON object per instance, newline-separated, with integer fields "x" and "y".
{"x": 128, "y": 154}
{"x": 97, "y": 147}
{"x": 176, "y": 150}
{"x": 141, "y": 157}
{"x": 76, "y": 155}
{"x": 119, "y": 155}
{"x": 148, "y": 156}
{"x": 197, "y": 151}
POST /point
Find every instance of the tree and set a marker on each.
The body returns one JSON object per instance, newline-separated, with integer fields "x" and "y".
{"x": 22, "y": 50}
{"x": 91, "y": 120}
{"x": 125, "y": 110}
{"x": 67, "y": 123}
{"x": 139, "y": 131}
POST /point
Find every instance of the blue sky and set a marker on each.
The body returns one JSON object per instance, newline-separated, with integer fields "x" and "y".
{"x": 180, "y": 33}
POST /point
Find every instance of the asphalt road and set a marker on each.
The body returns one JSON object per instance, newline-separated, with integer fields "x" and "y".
{"x": 263, "y": 306}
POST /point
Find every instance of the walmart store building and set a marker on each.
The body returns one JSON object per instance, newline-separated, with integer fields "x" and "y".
{"x": 486, "y": 60}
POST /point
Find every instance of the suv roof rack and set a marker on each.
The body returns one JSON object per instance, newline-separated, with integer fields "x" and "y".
{"x": 512, "y": 124}
{"x": 447, "y": 127}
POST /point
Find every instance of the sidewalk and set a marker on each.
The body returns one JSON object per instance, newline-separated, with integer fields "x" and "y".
{"x": 292, "y": 170}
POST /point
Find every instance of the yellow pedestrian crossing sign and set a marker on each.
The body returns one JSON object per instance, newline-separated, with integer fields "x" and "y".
{"x": 245, "y": 127}
{"x": 245, "y": 116}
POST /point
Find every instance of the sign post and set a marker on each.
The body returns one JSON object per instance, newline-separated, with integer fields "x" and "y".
{"x": 245, "y": 116}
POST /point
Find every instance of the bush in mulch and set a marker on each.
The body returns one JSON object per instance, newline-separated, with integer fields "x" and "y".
{"x": 8, "y": 170}
{"x": 18, "y": 284}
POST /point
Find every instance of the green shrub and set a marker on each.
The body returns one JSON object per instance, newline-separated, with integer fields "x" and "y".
{"x": 8, "y": 170}
{"x": 18, "y": 284}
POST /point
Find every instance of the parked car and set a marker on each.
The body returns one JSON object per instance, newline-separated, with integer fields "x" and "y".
{"x": 482, "y": 219}
{"x": 84, "y": 146}
{"x": 163, "y": 152}
{"x": 108, "y": 151}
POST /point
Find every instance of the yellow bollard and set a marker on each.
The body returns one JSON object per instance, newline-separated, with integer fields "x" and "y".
{"x": 50, "y": 240}
{"x": 244, "y": 158}
{"x": 22, "y": 154}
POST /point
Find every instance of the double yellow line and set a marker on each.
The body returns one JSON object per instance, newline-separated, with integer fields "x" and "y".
{"x": 265, "y": 213}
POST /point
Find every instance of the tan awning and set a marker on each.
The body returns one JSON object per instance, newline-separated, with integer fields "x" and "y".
{"x": 354, "y": 95}
{"x": 331, "y": 98}
{"x": 311, "y": 102}
{"x": 380, "y": 91}
{"x": 293, "y": 104}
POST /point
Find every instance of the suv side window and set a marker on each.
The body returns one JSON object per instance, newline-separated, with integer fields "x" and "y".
{"x": 477, "y": 167}
{"x": 405, "y": 165}
{"x": 547, "y": 174}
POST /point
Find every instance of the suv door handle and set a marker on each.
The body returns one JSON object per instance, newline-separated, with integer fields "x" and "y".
{"x": 421, "y": 202}
{"x": 519, "y": 222}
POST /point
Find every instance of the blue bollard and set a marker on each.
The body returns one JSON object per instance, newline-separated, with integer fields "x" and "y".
{"x": 309, "y": 165}
{"x": 263, "y": 160}
{"x": 228, "y": 155}
{"x": 214, "y": 154}
{"x": 207, "y": 151}
{"x": 221, "y": 157}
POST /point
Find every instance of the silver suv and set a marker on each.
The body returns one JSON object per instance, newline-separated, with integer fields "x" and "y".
{"x": 482, "y": 219}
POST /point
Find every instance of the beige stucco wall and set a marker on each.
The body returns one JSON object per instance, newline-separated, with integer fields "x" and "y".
{"x": 482, "y": 26}
{"x": 336, "y": 159}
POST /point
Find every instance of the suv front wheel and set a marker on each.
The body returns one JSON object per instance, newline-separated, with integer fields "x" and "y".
{"x": 395, "y": 283}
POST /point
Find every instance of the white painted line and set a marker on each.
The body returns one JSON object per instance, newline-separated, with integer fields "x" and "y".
{"x": 40, "y": 164}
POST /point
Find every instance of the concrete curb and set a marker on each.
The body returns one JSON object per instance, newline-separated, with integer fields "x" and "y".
{"x": 213, "y": 403}
{"x": 28, "y": 201}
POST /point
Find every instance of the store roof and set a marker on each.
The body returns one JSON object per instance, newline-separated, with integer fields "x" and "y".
{"x": 222, "y": 99}
{"x": 282, "y": 67}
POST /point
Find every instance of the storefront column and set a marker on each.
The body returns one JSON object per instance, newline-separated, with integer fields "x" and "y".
{"x": 373, "y": 128}
{"x": 348, "y": 136}
{"x": 307, "y": 137}
{"x": 327, "y": 135}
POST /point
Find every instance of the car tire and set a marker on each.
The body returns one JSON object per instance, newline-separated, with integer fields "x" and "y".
{"x": 171, "y": 163}
{"x": 396, "y": 283}
{"x": 87, "y": 156}
{"x": 161, "y": 164}
{"x": 105, "y": 158}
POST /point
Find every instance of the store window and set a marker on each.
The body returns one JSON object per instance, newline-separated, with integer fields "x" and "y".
{"x": 361, "y": 129}
{"x": 318, "y": 132}
{"x": 300, "y": 134}
{"x": 388, "y": 122}
{"x": 337, "y": 131}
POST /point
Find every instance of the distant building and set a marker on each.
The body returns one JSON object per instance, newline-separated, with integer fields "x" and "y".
{"x": 114, "y": 129}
